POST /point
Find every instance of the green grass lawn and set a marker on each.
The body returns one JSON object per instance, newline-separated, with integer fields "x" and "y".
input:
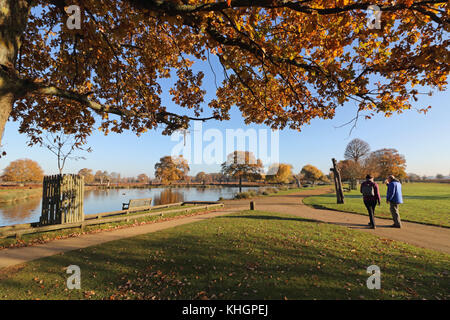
{"x": 274, "y": 191}
{"x": 249, "y": 255}
{"x": 423, "y": 202}
{"x": 8, "y": 195}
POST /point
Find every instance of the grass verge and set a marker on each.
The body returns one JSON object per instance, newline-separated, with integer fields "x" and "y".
{"x": 273, "y": 191}
{"x": 249, "y": 255}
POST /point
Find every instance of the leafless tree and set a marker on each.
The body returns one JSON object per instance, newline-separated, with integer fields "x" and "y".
{"x": 63, "y": 146}
{"x": 356, "y": 150}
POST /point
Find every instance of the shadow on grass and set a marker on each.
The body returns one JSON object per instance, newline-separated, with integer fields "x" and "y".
{"x": 278, "y": 203}
{"x": 158, "y": 265}
{"x": 349, "y": 225}
{"x": 322, "y": 207}
{"x": 263, "y": 217}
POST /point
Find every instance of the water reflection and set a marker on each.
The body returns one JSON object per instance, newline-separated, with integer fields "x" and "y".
{"x": 105, "y": 200}
{"x": 168, "y": 196}
{"x": 20, "y": 211}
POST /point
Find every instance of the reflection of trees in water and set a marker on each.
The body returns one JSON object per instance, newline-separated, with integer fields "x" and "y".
{"x": 168, "y": 196}
{"x": 99, "y": 193}
{"x": 200, "y": 190}
{"x": 19, "y": 210}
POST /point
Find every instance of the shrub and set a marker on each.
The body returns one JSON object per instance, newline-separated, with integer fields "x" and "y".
{"x": 245, "y": 195}
{"x": 272, "y": 190}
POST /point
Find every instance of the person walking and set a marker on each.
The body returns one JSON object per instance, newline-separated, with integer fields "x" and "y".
{"x": 371, "y": 197}
{"x": 394, "y": 198}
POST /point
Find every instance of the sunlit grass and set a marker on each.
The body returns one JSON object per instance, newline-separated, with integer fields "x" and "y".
{"x": 423, "y": 202}
{"x": 249, "y": 255}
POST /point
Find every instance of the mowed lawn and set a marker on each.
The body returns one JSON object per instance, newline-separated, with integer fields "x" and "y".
{"x": 423, "y": 202}
{"x": 248, "y": 255}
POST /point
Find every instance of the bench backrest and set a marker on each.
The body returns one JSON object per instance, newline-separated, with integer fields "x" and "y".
{"x": 147, "y": 202}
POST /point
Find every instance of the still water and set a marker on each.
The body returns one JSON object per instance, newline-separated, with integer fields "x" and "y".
{"x": 96, "y": 201}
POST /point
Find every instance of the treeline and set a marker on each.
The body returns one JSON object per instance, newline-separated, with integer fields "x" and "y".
{"x": 103, "y": 177}
{"x": 240, "y": 166}
{"x": 359, "y": 161}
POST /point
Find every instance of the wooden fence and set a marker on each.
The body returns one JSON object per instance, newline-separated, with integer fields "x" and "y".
{"x": 62, "y": 199}
{"x": 106, "y": 217}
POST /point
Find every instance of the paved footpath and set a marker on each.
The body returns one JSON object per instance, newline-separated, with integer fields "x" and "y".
{"x": 425, "y": 236}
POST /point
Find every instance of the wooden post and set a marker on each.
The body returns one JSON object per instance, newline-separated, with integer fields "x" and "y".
{"x": 297, "y": 180}
{"x": 337, "y": 183}
{"x": 252, "y": 205}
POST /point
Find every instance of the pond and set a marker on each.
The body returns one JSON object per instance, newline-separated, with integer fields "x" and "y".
{"x": 96, "y": 201}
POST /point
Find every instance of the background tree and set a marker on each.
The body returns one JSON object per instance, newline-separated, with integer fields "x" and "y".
{"x": 311, "y": 173}
{"x": 356, "y": 150}
{"x": 87, "y": 174}
{"x": 63, "y": 146}
{"x": 203, "y": 177}
{"x": 350, "y": 170}
{"x": 242, "y": 164}
{"x": 385, "y": 162}
{"x": 439, "y": 176}
{"x": 115, "y": 177}
{"x": 279, "y": 173}
{"x": 143, "y": 178}
{"x": 284, "y": 62}
{"x": 355, "y": 153}
{"x": 217, "y": 177}
{"x": 101, "y": 176}
{"x": 23, "y": 170}
{"x": 414, "y": 177}
{"x": 171, "y": 169}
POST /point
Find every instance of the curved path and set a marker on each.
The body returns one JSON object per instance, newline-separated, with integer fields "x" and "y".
{"x": 425, "y": 236}
{"x": 430, "y": 237}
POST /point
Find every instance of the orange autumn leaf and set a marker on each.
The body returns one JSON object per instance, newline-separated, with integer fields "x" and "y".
{"x": 284, "y": 65}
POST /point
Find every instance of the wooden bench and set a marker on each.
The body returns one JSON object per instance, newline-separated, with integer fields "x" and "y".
{"x": 135, "y": 203}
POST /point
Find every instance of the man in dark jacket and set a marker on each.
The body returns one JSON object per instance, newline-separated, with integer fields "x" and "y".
{"x": 371, "y": 197}
{"x": 394, "y": 198}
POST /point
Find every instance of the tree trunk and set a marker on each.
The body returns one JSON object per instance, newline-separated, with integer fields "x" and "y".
{"x": 6, "y": 103}
{"x": 13, "y": 20}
